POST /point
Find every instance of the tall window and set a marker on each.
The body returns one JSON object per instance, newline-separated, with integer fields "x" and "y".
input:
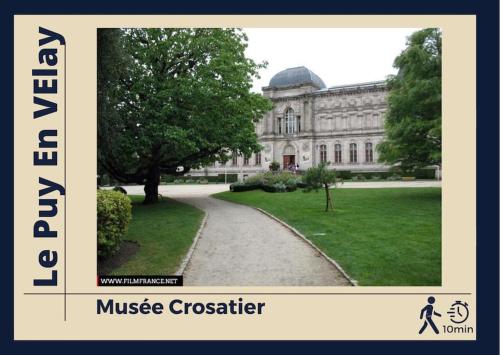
{"x": 299, "y": 127}
{"x": 245, "y": 160}
{"x": 258, "y": 158}
{"x": 369, "y": 152}
{"x": 289, "y": 121}
{"x": 322, "y": 153}
{"x": 353, "y": 153}
{"x": 235, "y": 158}
{"x": 279, "y": 125}
{"x": 338, "y": 153}
{"x": 376, "y": 121}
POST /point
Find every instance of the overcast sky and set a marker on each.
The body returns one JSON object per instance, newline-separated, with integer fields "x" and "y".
{"x": 337, "y": 55}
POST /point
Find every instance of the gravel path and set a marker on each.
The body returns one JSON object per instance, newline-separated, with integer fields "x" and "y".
{"x": 240, "y": 246}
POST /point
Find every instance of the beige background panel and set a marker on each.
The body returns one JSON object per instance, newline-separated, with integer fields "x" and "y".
{"x": 26, "y": 186}
{"x": 286, "y": 316}
{"x": 378, "y": 317}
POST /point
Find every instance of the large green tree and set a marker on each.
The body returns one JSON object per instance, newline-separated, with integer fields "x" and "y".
{"x": 413, "y": 121}
{"x": 175, "y": 99}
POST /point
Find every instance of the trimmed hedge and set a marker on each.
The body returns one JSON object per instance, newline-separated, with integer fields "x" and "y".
{"x": 114, "y": 212}
{"x": 343, "y": 174}
{"x": 276, "y": 188}
{"x": 240, "y": 187}
{"x": 381, "y": 175}
{"x": 283, "y": 181}
{"x": 168, "y": 179}
{"x": 424, "y": 174}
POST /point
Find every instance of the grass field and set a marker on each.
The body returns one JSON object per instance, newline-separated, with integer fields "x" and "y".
{"x": 381, "y": 237}
{"x": 164, "y": 231}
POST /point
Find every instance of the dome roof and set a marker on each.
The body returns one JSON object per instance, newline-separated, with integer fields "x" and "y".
{"x": 296, "y": 76}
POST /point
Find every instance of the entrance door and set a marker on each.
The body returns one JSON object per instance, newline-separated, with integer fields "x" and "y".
{"x": 288, "y": 160}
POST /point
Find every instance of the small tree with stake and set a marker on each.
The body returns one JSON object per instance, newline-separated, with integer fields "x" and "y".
{"x": 320, "y": 177}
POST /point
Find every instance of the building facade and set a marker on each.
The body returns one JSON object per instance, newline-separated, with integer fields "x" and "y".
{"x": 310, "y": 124}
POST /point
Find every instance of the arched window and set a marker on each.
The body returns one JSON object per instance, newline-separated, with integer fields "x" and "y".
{"x": 246, "y": 159}
{"x": 289, "y": 121}
{"x": 322, "y": 153}
{"x": 338, "y": 153}
{"x": 369, "y": 152}
{"x": 235, "y": 158}
{"x": 353, "y": 153}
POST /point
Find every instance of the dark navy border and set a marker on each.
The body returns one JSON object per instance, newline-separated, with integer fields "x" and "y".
{"x": 487, "y": 170}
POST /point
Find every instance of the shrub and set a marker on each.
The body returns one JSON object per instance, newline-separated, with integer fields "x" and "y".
{"x": 269, "y": 182}
{"x": 255, "y": 179}
{"x": 301, "y": 185}
{"x": 358, "y": 177}
{"x": 274, "y": 166}
{"x": 114, "y": 212}
{"x": 166, "y": 179}
{"x": 425, "y": 173}
{"x": 291, "y": 184}
{"x": 203, "y": 181}
{"x": 394, "y": 177}
{"x": 278, "y": 187}
{"x": 282, "y": 177}
{"x": 344, "y": 174}
{"x": 240, "y": 187}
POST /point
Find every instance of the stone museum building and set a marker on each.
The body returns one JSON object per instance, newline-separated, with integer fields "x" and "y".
{"x": 312, "y": 123}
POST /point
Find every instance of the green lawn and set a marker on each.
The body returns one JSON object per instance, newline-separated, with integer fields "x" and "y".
{"x": 381, "y": 237}
{"x": 164, "y": 231}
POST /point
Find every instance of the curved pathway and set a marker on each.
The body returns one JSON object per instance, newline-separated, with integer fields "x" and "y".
{"x": 239, "y": 246}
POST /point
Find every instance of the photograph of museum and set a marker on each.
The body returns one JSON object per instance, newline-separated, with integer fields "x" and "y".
{"x": 270, "y": 156}
{"x": 311, "y": 123}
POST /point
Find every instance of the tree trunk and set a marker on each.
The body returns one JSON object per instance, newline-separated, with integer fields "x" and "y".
{"x": 151, "y": 186}
{"x": 329, "y": 202}
{"x": 327, "y": 197}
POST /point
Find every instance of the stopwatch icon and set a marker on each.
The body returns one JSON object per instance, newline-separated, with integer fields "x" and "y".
{"x": 459, "y": 312}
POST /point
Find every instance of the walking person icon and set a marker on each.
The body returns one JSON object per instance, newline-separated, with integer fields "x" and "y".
{"x": 429, "y": 311}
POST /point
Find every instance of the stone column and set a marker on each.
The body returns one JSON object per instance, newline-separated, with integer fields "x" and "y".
{"x": 307, "y": 116}
{"x": 265, "y": 122}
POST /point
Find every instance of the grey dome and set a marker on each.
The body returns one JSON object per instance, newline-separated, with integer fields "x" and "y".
{"x": 296, "y": 76}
